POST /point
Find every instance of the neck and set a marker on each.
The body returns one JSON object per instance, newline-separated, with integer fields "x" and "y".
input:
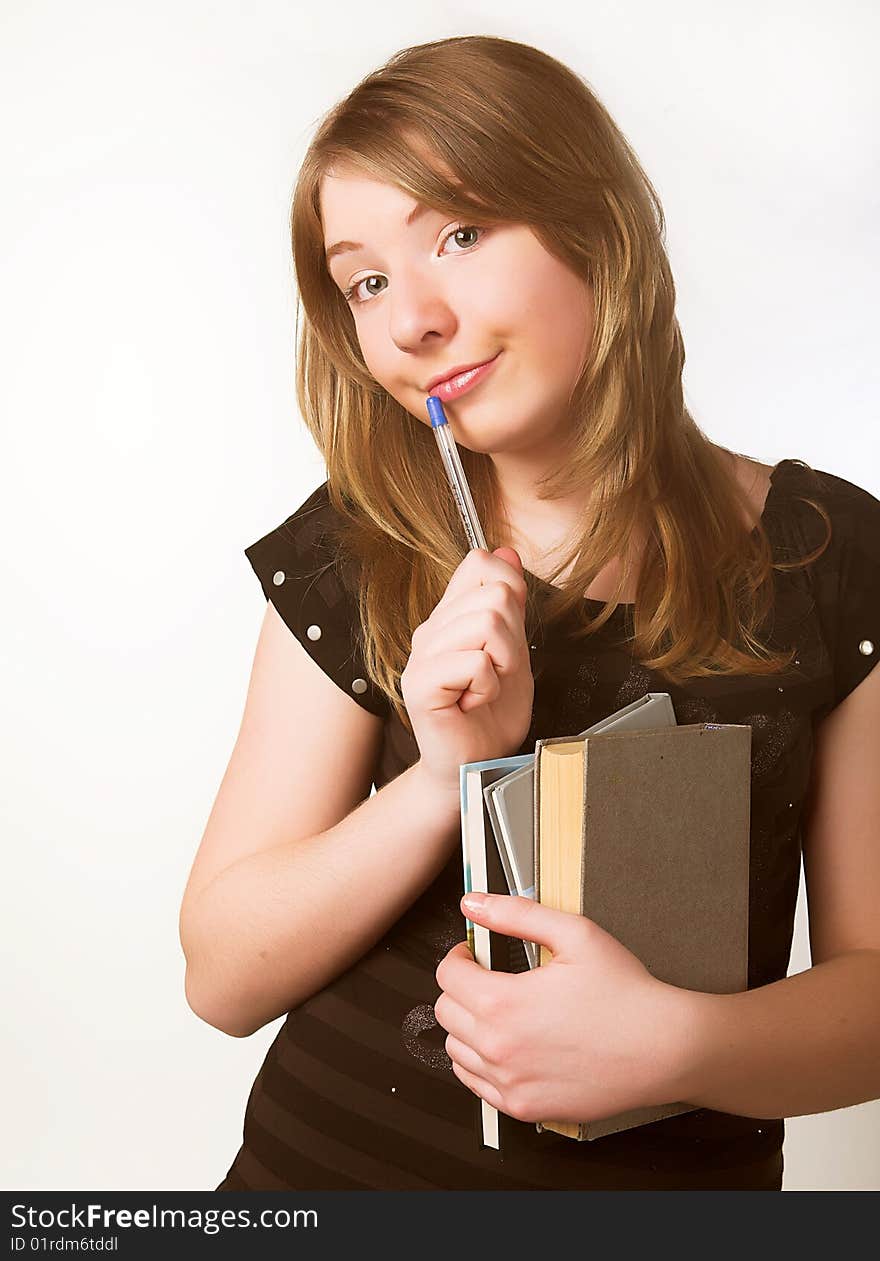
{"x": 517, "y": 474}
{"x": 541, "y": 530}
{"x": 538, "y": 528}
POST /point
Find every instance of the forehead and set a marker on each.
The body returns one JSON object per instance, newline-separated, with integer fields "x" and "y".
{"x": 347, "y": 191}
{"x": 352, "y": 200}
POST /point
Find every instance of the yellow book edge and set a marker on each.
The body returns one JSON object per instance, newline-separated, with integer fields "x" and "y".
{"x": 561, "y": 813}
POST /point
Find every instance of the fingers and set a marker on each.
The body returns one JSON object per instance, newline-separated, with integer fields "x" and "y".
{"x": 443, "y": 677}
{"x": 463, "y": 980}
{"x": 489, "y": 615}
{"x": 493, "y": 597}
{"x": 565, "y": 933}
{"x": 466, "y": 1057}
{"x": 479, "y": 1086}
{"x": 479, "y": 568}
{"x": 467, "y": 647}
{"x": 479, "y": 619}
{"x": 455, "y": 1019}
{"x": 463, "y": 1043}
{"x": 485, "y": 629}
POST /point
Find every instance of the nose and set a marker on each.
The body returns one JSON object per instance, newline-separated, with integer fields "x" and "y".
{"x": 420, "y": 311}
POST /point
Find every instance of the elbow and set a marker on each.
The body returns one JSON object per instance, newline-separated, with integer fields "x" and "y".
{"x": 208, "y": 1012}
{"x": 224, "y": 1026}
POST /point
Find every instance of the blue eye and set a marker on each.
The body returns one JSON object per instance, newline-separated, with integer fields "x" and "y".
{"x": 350, "y": 294}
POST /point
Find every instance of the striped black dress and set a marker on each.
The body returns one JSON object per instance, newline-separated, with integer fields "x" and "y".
{"x": 357, "y": 1090}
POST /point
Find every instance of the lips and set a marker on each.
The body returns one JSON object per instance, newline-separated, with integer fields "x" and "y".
{"x": 460, "y": 379}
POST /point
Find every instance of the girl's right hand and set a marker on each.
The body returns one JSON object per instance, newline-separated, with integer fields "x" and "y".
{"x": 468, "y": 685}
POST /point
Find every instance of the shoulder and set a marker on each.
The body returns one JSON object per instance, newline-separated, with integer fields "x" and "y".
{"x": 846, "y": 576}
{"x": 856, "y": 507}
{"x": 306, "y": 546}
{"x": 303, "y": 570}
{"x": 844, "y": 497}
{"x": 793, "y": 479}
{"x": 309, "y": 528}
{"x": 853, "y": 513}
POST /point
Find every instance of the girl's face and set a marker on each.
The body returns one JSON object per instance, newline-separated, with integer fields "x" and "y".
{"x": 433, "y": 293}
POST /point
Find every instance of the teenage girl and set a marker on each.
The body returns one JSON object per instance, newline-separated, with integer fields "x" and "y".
{"x": 470, "y": 221}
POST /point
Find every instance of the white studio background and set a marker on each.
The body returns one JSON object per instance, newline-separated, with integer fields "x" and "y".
{"x": 150, "y": 433}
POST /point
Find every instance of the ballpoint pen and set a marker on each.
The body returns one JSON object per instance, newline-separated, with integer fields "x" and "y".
{"x": 473, "y": 529}
{"x": 457, "y": 479}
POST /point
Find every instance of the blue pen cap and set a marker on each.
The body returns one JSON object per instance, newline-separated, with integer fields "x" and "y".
{"x": 436, "y": 412}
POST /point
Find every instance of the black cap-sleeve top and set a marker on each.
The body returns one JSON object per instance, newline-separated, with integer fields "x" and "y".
{"x": 357, "y": 1091}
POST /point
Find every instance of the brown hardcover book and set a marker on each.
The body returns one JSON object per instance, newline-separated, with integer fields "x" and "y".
{"x": 647, "y": 833}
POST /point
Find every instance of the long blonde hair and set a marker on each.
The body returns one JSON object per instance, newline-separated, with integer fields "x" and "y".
{"x": 521, "y": 138}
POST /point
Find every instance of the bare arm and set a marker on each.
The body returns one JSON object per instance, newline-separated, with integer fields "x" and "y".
{"x": 279, "y": 924}
{"x": 808, "y": 1043}
{"x": 299, "y": 872}
{"x": 811, "y": 1042}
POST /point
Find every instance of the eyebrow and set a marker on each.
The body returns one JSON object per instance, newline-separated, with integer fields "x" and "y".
{"x": 346, "y": 247}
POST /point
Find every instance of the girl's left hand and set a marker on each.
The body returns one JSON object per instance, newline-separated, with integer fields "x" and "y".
{"x": 588, "y": 1035}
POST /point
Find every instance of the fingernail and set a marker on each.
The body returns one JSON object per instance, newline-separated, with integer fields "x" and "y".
{"x": 474, "y": 901}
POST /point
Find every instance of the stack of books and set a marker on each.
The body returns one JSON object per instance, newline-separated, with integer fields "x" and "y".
{"x": 637, "y": 823}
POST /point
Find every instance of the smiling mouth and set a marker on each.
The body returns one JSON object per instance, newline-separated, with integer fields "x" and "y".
{"x": 452, "y": 387}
